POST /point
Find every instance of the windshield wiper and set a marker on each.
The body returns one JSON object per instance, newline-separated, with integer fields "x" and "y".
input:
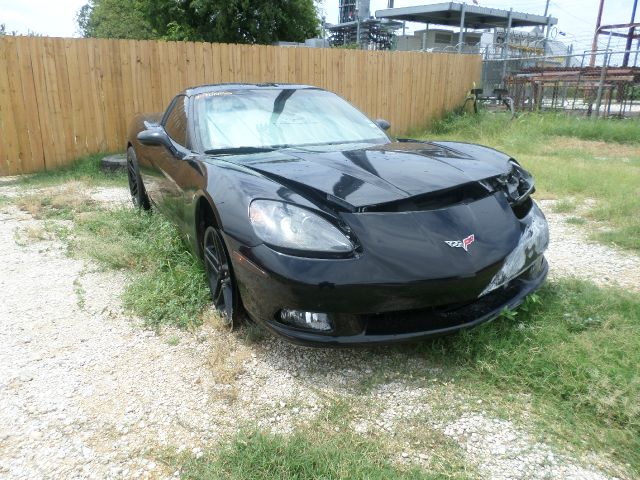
{"x": 237, "y": 150}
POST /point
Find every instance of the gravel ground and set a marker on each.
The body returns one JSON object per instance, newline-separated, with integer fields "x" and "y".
{"x": 572, "y": 254}
{"x": 86, "y": 393}
{"x": 504, "y": 452}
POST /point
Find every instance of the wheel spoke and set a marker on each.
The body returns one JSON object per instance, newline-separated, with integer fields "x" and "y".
{"x": 212, "y": 260}
{"x": 219, "y": 274}
{"x": 227, "y": 294}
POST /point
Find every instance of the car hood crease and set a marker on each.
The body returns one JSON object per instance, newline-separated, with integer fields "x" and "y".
{"x": 377, "y": 174}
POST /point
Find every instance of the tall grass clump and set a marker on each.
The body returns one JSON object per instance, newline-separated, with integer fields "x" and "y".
{"x": 167, "y": 283}
{"x": 86, "y": 169}
{"x": 534, "y": 127}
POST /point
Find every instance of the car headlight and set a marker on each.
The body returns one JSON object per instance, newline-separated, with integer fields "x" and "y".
{"x": 289, "y": 227}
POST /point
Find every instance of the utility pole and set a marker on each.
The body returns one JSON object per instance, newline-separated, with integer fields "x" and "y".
{"x": 632, "y": 30}
{"x": 505, "y": 48}
{"x": 603, "y": 76}
{"x": 358, "y": 28}
{"x": 594, "y": 45}
{"x": 546, "y": 33}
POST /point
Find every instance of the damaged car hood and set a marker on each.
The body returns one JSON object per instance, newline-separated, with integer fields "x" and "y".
{"x": 370, "y": 175}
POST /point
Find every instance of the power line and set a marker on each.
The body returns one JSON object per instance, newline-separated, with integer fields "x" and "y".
{"x": 591, "y": 24}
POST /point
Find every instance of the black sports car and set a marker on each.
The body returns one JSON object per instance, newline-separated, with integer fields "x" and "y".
{"x": 310, "y": 219}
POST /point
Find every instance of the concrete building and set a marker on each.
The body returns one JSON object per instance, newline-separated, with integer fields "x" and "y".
{"x": 439, "y": 40}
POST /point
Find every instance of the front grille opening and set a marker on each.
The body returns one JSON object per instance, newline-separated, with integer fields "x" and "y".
{"x": 523, "y": 209}
{"x": 461, "y": 194}
{"x": 426, "y": 320}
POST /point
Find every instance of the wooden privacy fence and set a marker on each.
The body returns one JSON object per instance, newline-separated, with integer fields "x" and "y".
{"x": 64, "y": 98}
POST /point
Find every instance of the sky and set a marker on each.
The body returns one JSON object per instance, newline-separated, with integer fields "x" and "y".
{"x": 576, "y": 18}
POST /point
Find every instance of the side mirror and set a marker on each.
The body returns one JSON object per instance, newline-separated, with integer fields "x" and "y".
{"x": 383, "y": 124}
{"x": 155, "y": 136}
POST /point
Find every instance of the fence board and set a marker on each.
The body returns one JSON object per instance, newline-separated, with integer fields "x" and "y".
{"x": 30, "y": 105}
{"x": 9, "y": 148}
{"x": 62, "y": 98}
{"x": 17, "y": 104}
{"x": 78, "y": 119}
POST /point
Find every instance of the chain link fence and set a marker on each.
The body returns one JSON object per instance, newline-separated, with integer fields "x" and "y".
{"x": 593, "y": 84}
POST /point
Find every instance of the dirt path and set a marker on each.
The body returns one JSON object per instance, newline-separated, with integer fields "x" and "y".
{"x": 86, "y": 393}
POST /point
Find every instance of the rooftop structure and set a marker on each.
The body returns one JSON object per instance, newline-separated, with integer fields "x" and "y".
{"x": 465, "y": 16}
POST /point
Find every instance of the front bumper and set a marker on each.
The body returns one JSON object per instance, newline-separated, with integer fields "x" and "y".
{"x": 375, "y": 299}
{"x": 414, "y": 325}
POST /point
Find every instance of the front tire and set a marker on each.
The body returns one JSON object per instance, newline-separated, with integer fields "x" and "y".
{"x": 217, "y": 264}
{"x": 136, "y": 187}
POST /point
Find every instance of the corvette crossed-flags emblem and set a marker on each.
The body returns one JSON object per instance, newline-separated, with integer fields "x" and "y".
{"x": 464, "y": 243}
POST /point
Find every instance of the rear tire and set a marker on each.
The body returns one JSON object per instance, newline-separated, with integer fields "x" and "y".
{"x": 136, "y": 187}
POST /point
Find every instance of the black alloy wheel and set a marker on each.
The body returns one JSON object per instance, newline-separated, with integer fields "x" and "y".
{"x": 136, "y": 187}
{"x": 220, "y": 276}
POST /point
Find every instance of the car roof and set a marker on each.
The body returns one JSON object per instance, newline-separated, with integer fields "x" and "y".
{"x": 217, "y": 87}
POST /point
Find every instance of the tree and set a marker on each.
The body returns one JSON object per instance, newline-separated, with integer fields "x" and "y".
{"x": 232, "y": 21}
{"x": 114, "y": 19}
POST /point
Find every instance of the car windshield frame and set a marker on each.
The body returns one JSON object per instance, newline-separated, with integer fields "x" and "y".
{"x": 351, "y": 115}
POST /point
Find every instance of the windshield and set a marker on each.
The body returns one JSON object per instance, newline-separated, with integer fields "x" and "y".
{"x": 272, "y": 118}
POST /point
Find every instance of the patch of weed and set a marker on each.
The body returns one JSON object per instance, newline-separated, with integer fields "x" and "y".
{"x": 226, "y": 360}
{"x": 576, "y": 220}
{"x": 60, "y": 203}
{"x": 534, "y": 126}
{"x": 262, "y": 456}
{"x": 565, "y": 206}
{"x": 80, "y": 292}
{"x": 168, "y": 285}
{"x": 85, "y": 169}
{"x": 32, "y": 233}
{"x": 576, "y": 350}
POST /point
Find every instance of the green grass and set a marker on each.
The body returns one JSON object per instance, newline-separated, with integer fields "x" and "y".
{"x": 314, "y": 453}
{"x": 85, "y": 169}
{"x": 325, "y": 448}
{"x": 167, "y": 284}
{"x": 561, "y": 153}
{"x": 576, "y": 350}
{"x": 260, "y": 456}
{"x": 531, "y": 128}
